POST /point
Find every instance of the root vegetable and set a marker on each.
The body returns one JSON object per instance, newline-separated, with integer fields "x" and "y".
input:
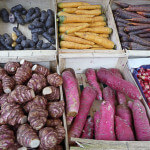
{"x": 1, "y": 88}
{"x": 48, "y": 138}
{"x": 118, "y": 84}
{"x": 51, "y": 93}
{"x": 27, "y": 137}
{"x": 56, "y": 109}
{"x": 3, "y": 99}
{"x": 90, "y": 7}
{"x": 41, "y": 70}
{"x": 53, "y": 122}
{"x": 88, "y": 95}
{"x": 21, "y": 94}
{"x": 2, "y": 73}
{"x": 140, "y": 8}
{"x": 106, "y": 124}
{"x": 88, "y": 129}
{"x": 96, "y": 123}
{"x": 141, "y": 122}
{"x": 12, "y": 114}
{"x": 134, "y": 28}
{"x": 123, "y": 130}
{"x": 60, "y": 130}
{"x": 55, "y": 79}
{"x": 92, "y": 80}
{"x": 71, "y": 4}
{"x": 69, "y": 120}
{"x": 71, "y": 93}
{"x": 95, "y": 12}
{"x": 37, "y": 82}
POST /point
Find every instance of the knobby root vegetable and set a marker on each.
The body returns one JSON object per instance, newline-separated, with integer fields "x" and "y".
{"x": 88, "y": 95}
{"x": 69, "y": 120}
{"x": 53, "y": 122}
{"x": 51, "y": 93}
{"x": 71, "y": 93}
{"x": 12, "y": 114}
{"x": 56, "y": 109}
{"x": 106, "y": 124}
{"x": 124, "y": 112}
{"x": 41, "y": 70}
{"x": 11, "y": 67}
{"x": 48, "y": 138}
{"x": 38, "y": 101}
{"x": 118, "y": 84}
{"x": 141, "y": 122}
{"x": 23, "y": 74}
{"x": 2, "y": 73}
{"x": 1, "y": 88}
{"x": 7, "y": 138}
{"x": 27, "y": 137}
{"x": 123, "y": 130}
{"x": 92, "y": 80}
{"x": 8, "y": 84}
{"x": 60, "y": 130}
{"x": 96, "y": 123}
{"x": 55, "y": 79}
{"x": 21, "y": 94}
{"x": 26, "y": 63}
{"x": 3, "y": 99}
{"x": 37, "y": 117}
{"x": 37, "y": 82}
{"x": 88, "y": 130}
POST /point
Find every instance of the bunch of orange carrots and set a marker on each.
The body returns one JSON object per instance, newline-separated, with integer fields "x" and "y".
{"x": 83, "y": 26}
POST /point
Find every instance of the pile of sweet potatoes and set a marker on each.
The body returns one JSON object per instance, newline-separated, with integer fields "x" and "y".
{"x": 31, "y": 109}
{"x": 133, "y": 25}
{"x": 117, "y": 118}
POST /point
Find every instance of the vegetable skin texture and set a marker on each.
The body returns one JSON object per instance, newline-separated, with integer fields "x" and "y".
{"x": 140, "y": 8}
{"x": 96, "y": 123}
{"x": 69, "y": 10}
{"x": 96, "y": 24}
{"x": 11, "y": 67}
{"x": 146, "y": 35}
{"x": 123, "y": 5}
{"x": 145, "y": 14}
{"x": 92, "y": 80}
{"x": 48, "y": 138}
{"x": 2, "y": 73}
{"x": 137, "y": 46}
{"x": 90, "y": 7}
{"x": 71, "y": 4}
{"x": 27, "y": 137}
{"x": 139, "y": 32}
{"x": 12, "y": 114}
{"x": 1, "y": 88}
{"x": 55, "y": 79}
{"x": 124, "y": 112}
{"x": 140, "y": 20}
{"x": 53, "y": 122}
{"x": 71, "y": 92}
{"x": 88, "y": 95}
{"x": 88, "y": 130}
{"x": 37, "y": 82}
{"x": 118, "y": 84}
{"x": 134, "y": 28}
{"x": 3, "y": 99}
{"x": 95, "y": 12}
{"x": 69, "y": 120}
{"x": 56, "y": 109}
{"x": 21, "y": 94}
{"x": 60, "y": 130}
{"x": 41, "y": 70}
{"x": 123, "y": 130}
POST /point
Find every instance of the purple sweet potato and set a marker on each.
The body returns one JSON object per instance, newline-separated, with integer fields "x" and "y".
{"x": 118, "y": 84}
{"x": 123, "y": 130}
{"x": 96, "y": 123}
{"x": 106, "y": 124}
{"x": 88, "y": 95}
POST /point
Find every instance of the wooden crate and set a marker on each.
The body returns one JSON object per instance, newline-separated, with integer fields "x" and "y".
{"x": 47, "y": 61}
{"x": 133, "y": 53}
{"x": 110, "y": 21}
{"x": 89, "y": 60}
{"x": 8, "y": 27}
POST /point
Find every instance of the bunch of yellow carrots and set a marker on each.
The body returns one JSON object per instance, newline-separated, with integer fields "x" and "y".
{"x": 82, "y": 26}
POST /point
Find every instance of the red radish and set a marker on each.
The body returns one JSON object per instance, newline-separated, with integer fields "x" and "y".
{"x": 69, "y": 120}
{"x": 88, "y": 129}
{"x": 88, "y": 95}
{"x": 118, "y": 84}
{"x": 96, "y": 123}
{"x": 123, "y": 130}
{"x": 91, "y": 78}
{"x": 71, "y": 92}
{"x": 106, "y": 124}
{"x": 124, "y": 112}
{"x": 141, "y": 122}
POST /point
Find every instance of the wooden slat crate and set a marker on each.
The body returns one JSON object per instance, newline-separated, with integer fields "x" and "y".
{"x": 110, "y": 22}
{"x": 89, "y": 60}
{"x": 8, "y": 27}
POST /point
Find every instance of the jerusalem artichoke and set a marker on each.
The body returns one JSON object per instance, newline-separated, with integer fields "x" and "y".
{"x": 2, "y": 73}
{"x": 60, "y": 130}
{"x": 1, "y": 88}
{"x": 26, "y": 63}
{"x": 53, "y": 122}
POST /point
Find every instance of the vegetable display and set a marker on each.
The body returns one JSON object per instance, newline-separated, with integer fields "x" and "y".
{"x": 27, "y": 117}
{"x": 75, "y": 19}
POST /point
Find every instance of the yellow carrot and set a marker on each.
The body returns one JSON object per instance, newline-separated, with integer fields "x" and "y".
{"x": 71, "y": 34}
{"x": 99, "y": 48}
{"x": 95, "y": 24}
{"x": 64, "y": 48}
{"x": 96, "y": 46}
{"x": 96, "y": 39}
{"x": 64, "y": 28}
{"x": 76, "y": 39}
{"x": 74, "y": 45}
{"x": 69, "y": 10}
{"x": 104, "y": 35}
{"x": 71, "y": 4}
{"x": 95, "y": 12}
{"x": 90, "y": 7}
{"x": 75, "y": 29}
{"x": 71, "y": 24}
{"x": 99, "y": 18}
